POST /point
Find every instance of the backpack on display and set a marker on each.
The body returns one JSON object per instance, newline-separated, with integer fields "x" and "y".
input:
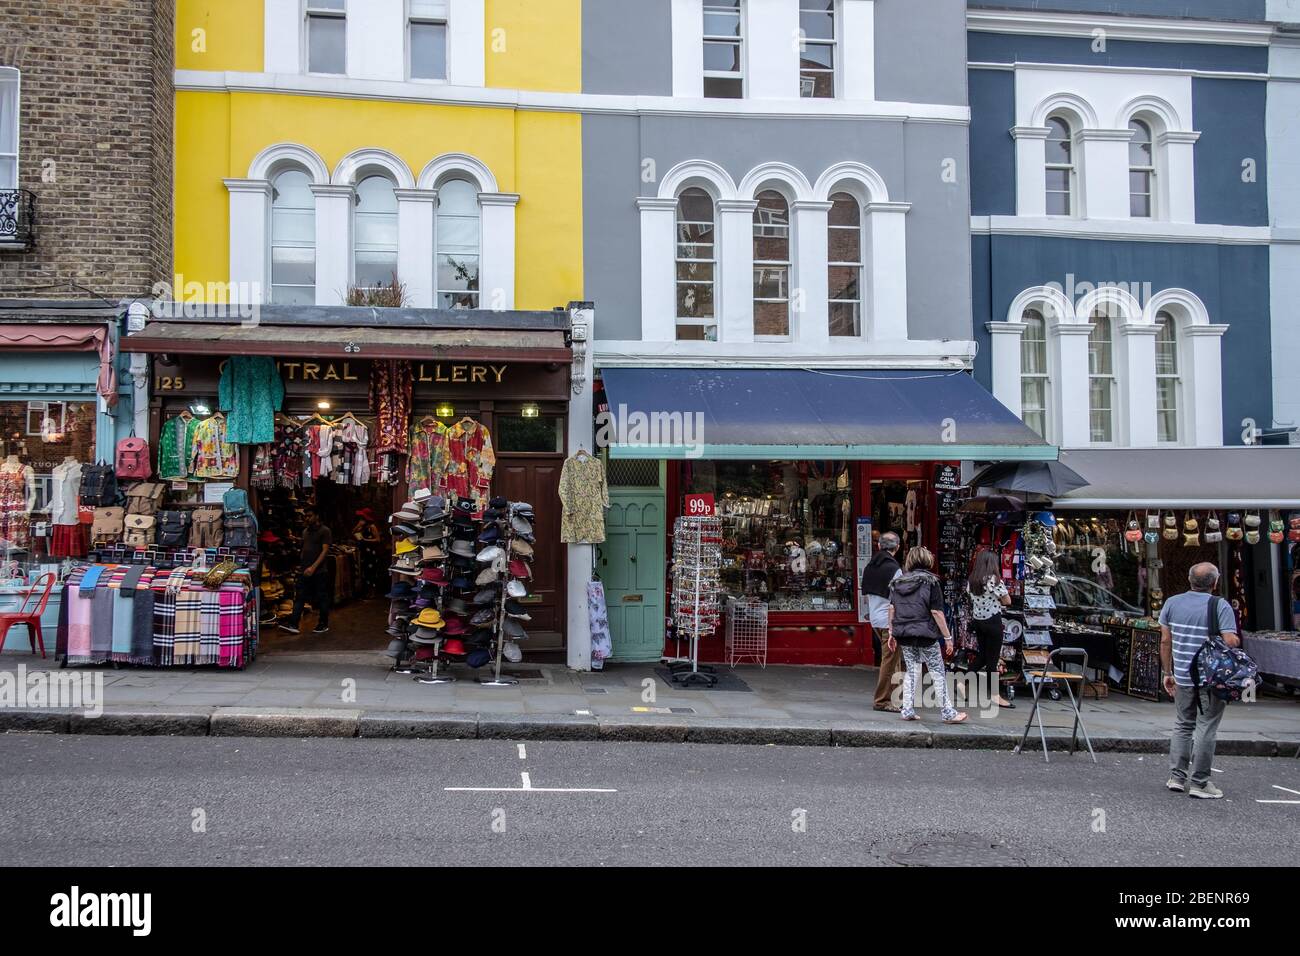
{"x": 145, "y": 497}
{"x": 132, "y": 460}
{"x": 1227, "y": 672}
{"x": 140, "y": 530}
{"x": 108, "y": 524}
{"x": 206, "y": 527}
{"x": 173, "y": 529}
{"x": 98, "y": 486}
{"x": 240, "y": 531}
{"x": 235, "y": 501}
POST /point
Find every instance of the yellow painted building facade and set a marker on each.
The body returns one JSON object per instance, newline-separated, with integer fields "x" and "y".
{"x": 232, "y": 105}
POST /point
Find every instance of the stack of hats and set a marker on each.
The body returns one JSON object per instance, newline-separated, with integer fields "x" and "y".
{"x": 463, "y": 642}
{"x": 415, "y": 620}
{"x": 505, "y": 563}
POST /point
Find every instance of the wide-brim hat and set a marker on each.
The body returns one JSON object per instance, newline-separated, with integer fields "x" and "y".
{"x": 434, "y": 575}
{"x": 456, "y": 627}
{"x": 410, "y": 570}
{"x": 429, "y": 617}
{"x": 409, "y": 511}
{"x": 457, "y": 606}
{"x": 423, "y": 635}
{"x": 433, "y": 513}
{"x": 516, "y": 589}
{"x": 401, "y": 591}
{"x": 403, "y": 547}
{"x": 521, "y": 524}
{"x": 520, "y": 569}
{"x": 424, "y": 654}
{"x": 422, "y": 601}
{"x": 487, "y": 576}
{"x": 486, "y": 595}
{"x": 521, "y": 547}
{"x": 431, "y": 552}
{"x": 489, "y": 534}
{"x": 268, "y": 537}
{"x": 464, "y": 548}
{"x": 462, "y": 583}
{"x": 406, "y": 530}
{"x": 422, "y": 495}
{"x": 367, "y": 514}
{"x": 480, "y": 618}
{"x": 433, "y": 534}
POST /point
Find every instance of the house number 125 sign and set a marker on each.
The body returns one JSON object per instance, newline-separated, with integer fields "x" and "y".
{"x": 698, "y": 506}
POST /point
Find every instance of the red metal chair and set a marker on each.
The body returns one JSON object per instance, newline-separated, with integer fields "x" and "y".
{"x": 29, "y": 613}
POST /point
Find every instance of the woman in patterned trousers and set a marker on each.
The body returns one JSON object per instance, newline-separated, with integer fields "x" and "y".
{"x": 917, "y": 622}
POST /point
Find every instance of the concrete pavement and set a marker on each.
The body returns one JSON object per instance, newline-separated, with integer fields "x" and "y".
{"x": 356, "y": 695}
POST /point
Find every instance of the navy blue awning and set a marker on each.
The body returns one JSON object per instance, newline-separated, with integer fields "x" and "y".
{"x": 763, "y": 414}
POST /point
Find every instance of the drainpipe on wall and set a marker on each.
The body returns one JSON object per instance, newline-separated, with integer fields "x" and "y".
{"x": 136, "y": 317}
{"x": 581, "y": 434}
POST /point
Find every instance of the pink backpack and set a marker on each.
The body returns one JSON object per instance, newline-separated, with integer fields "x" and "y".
{"x": 133, "y": 459}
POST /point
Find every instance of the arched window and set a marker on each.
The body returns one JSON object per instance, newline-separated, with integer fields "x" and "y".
{"x": 771, "y": 266}
{"x": 1060, "y": 168}
{"x": 375, "y": 251}
{"x": 1141, "y": 172}
{"x": 1033, "y": 372}
{"x": 1168, "y": 384}
{"x": 697, "y": 266}
{"x": 844, "y": 244}
{"x": 458, "y": 247}
{"x": 293, "y": 239}
{"x": 1101, "y": 380}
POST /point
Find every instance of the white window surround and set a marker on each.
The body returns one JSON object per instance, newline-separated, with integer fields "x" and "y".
{"x": 372, "y": 38}
{"x": 250, "y": 212}
{"x": 11, "y": 90}
{"x": 884, "y": 308}
{"x": 771, "y": 67}
{"x": 1133, "y": 327}
{"x": 1099, "y": 107}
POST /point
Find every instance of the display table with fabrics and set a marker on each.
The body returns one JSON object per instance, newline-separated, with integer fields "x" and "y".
{"x": 157, "y": 617}
{"x": 1276, "y": 652}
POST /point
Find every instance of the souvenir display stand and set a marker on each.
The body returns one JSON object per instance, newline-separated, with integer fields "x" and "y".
{"x": 697, "y": 562}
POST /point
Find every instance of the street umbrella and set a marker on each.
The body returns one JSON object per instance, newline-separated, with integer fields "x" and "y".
{"x": 992, "y": 504}
{"x": 1050, "y": 478}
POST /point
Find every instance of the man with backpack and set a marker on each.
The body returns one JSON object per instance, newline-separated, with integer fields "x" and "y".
{"x": 1187, "y": 623}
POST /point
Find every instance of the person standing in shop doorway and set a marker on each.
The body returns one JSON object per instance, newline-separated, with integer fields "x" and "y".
{"x": 315, "y": 583}
{"x": 876, "y": 578}
{"x": 917, "y": 621}
{"x": 988, "y": 597}
{"x": 1184, "y": 627}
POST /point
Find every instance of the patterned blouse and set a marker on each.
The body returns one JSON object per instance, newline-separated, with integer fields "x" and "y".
{"x": 214, "y": 457}
{"x": 584, "y": 497}
{"x": 987, "y": 604}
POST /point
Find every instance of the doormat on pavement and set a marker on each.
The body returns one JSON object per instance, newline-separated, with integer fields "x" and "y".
{"x": 726, "y": 681}
{"x": 521, "y": 673}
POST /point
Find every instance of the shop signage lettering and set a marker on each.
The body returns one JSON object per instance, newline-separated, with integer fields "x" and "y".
{"x": 468, "y": 374}
{"x": 434, "y": 372}
{"x": 317, "y": 371}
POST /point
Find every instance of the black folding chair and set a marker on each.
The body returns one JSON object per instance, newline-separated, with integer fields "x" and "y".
{"x": 1054, "y": 671}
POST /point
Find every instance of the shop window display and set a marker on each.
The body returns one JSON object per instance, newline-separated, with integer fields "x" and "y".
{"x": 785, "y": 528}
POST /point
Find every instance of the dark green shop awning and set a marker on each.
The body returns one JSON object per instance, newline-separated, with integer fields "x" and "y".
{"x": 763, "y": 414}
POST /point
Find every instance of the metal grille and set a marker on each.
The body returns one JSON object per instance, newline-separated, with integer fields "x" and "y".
{"x": 632, "y": 473}
{"x": 746, "y": 632}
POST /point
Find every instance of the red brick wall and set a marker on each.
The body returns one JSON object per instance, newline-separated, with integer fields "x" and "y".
{"x": 96, "y": 125}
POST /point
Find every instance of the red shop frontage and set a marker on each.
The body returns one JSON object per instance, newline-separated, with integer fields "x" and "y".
{"x": 805, "y": 470}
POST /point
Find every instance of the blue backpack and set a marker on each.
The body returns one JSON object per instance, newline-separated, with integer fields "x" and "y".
{"x": 1225, "y": 671}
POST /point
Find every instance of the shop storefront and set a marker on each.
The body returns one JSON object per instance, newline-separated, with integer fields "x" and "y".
{"x": 806, "y": 470}
{"x": 312, "y": 413}
{"x": 61, "y": 408}
{"x": 1127, "y": 540}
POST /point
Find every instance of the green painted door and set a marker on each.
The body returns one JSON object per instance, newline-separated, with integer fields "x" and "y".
{"x": 631, "y": 563}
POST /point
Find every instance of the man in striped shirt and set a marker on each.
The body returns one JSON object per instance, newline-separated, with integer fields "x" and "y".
{"x": 1184, "y": 627}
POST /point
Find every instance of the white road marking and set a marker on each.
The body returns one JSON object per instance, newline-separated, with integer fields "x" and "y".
{"x": 1284, "y": 790}
{"x": 523, "y": 752}
{"x": 528, "y": 784}
{"x": 531, "y": 790}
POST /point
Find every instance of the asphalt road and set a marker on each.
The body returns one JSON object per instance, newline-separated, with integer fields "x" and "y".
{"x": 84, "y": 800}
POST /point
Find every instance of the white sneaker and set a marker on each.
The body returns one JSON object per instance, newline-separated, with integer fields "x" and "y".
{"x": 1207, "y": 792}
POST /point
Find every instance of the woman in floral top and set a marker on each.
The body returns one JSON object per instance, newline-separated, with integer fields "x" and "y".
{"x": 988, "y": 597}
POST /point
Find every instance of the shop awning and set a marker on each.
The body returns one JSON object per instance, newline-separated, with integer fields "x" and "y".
{"x": 1258, "y": 476}
{"x": 362, "y": 342}
{"x": 761, "y": 414}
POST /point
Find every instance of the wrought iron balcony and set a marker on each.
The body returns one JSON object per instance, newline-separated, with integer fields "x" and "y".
{"x": 17, "y": 218}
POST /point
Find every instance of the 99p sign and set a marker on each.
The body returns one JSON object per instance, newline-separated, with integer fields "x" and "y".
{"x": 698, "y": 506}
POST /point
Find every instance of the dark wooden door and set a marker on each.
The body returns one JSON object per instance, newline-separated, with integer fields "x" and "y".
{"x": 536, "y": 480}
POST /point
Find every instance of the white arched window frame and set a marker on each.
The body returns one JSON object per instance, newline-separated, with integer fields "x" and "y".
{"x": 1169, "y": 383}
{"x": 1035, "y": 380}
{"x": 375, "y": 231}
{"x": 10, "y": 94}
{"x": 844, "y": 243}
{"x": 1060, "y": 168}
{"x": 1101, "y": 379}
{"x": 696, "y": 265}
{"x": 773, "y": 266}
{"x": 1142, "y": 171}
{"x": 293, "y": 237}
{"x": 458, "y": 230}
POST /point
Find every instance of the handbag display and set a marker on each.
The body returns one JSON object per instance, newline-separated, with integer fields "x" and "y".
{"x": 240, "y": 531}
{"x": 108, "y": 525}
{"x": 1171, "y": 527}
{"x": 140, "y": 531}
{"x": 132, "y": 459}
{"x": 98, "y": 486}
{"x": 145, "y": 497}
{"x": 173, "y": 529}
{"x": 206, "y": 529}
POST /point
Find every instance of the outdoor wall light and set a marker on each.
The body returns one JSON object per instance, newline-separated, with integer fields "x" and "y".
{"x": 445, "y": 410}
{"x": 530, "y": 410}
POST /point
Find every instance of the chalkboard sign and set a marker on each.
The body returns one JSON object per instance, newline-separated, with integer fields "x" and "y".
{"x": 1144, "y": 664}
